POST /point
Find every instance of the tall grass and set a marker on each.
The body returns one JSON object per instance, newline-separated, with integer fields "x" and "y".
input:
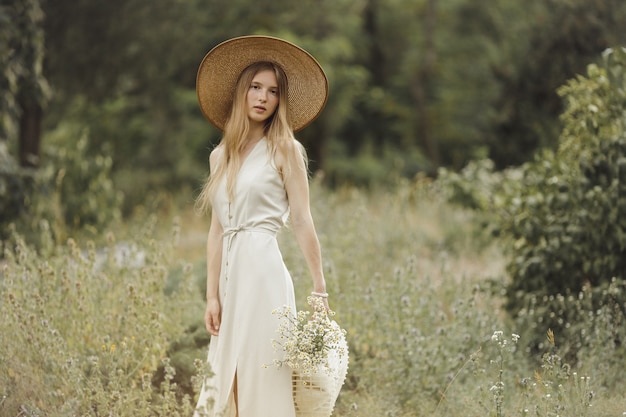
{"x": 86, "y": 329}
{"x": 419, "y": 287}
{"x": 115, "y": 327}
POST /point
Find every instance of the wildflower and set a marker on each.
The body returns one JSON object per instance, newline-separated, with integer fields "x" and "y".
{"x": 496, "y": 336}
{"x": 309, "y": 340}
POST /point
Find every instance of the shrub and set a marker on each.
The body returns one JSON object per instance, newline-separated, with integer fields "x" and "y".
{"x": 86, "y": 193}
{"x": 72, "y": 190}
{"x": 563, "y": 215}
{"x": 568, "y": 223}
{"x": 565, "y": 212}
{"x": 590, "y": 323}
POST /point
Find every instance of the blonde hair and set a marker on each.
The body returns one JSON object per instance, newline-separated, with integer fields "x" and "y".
{"x": 278, "y": 133}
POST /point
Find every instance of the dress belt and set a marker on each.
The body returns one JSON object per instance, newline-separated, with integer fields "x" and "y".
{"x": 231, "y": 232}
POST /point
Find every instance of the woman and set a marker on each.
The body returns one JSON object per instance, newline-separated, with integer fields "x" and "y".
{"x": 258, "y": 90}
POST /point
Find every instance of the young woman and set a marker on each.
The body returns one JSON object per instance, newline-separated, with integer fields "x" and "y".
{"x": 258, "y": 90}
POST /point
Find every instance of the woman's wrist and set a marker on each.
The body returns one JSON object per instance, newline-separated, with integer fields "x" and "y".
{"x": 322, "y": 294}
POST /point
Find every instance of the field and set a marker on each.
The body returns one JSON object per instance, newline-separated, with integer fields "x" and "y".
{"x": 113, "y": 326}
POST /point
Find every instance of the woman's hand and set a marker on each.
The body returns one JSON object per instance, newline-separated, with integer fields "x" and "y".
{"x": 325, "y": 302}
{"x": 212, "y": 316}
{"x": 323, "y": 299}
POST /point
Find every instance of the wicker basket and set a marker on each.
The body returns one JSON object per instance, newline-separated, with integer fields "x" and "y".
{"x": 314, "y": 394}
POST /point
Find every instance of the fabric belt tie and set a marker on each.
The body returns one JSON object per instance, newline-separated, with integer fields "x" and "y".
{"x": 231, "y": 232}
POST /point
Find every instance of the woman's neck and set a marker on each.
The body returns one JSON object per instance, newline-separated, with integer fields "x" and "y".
{"x": 255, "y": 134}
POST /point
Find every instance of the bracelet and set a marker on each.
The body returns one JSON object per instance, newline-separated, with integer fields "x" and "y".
{"x": 320, "y": 294}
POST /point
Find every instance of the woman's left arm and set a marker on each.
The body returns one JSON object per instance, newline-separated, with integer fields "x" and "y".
{"x": 297, "y": 187}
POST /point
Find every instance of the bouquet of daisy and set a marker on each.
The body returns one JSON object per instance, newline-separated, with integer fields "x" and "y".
{"x": 315, "y": 348}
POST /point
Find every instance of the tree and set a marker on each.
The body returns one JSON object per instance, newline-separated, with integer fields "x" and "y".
{"x": 24, "y": 85}
{"x": 23, "y": 93}
{"x": 562, "y": 39}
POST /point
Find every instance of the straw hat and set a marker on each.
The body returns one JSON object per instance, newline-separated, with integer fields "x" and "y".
{"x": 221, "y": 67}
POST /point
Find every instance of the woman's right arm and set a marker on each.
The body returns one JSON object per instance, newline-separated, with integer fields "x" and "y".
{"x": 213, "y": 313}
{"x": 212, "y": 316}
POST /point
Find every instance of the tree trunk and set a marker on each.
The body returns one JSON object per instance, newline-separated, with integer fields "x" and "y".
{"x": 421, "y": 84}
{"x": 376, "y": 58}
{"x": 30, "y": 133}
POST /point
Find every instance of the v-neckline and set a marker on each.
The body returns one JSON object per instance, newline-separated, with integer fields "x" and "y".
{"x": 256, "y": 145}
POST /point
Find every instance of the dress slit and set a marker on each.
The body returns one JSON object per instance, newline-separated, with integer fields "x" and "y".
{"x": 235, "y": 394}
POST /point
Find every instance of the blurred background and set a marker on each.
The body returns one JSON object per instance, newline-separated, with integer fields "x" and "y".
{"x": 98, "y": 107}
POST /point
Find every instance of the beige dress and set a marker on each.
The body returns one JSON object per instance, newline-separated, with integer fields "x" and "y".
{"x": 253, "y": 282}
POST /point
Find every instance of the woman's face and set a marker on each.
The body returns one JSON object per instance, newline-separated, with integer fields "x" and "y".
{"x": 262, "y": 98}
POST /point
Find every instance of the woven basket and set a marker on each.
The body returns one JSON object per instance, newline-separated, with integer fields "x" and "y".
{"x": 314, "y": 394}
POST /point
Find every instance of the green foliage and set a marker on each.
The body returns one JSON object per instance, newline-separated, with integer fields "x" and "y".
{"x": 21, "y": 62}
{"x": 555, "y": 45}
{"x": 73, "y": 189}
{"x": 83, "y": 185}
{"x": 369, "y": 168}
{"x": 126, "y": 71}
{"x": 569, "y": 222}
{"x": 589, "y": 322}
{"x": 413, "y": 83}
{"x": 130, "y": 47}
{"x": 564, "y": 215}
{"x": 477, "y": 186}
{"x": 406, "y": 77}
{"x": 148, "y": 155}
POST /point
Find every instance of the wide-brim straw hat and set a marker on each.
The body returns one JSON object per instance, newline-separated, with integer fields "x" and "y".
{"x": 222, "y": 65}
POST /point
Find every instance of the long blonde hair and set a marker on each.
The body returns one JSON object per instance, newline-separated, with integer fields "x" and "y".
{"x": 278, "y": 133}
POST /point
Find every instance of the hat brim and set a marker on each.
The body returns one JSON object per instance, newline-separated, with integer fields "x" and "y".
{"x": 220, "y": 69}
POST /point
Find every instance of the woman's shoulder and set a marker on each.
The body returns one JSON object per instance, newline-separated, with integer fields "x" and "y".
{"x": 290, "y": 148}
{"x": 293, "y": 147}
{"x": 290, "y": 154}
{"x": 219, "y": 149}
{"x": 216, "y": 154}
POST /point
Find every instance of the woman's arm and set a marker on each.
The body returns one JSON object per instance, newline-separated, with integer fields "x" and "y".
{"x": 297, "y": 187}
{"x": 212, "y": 315}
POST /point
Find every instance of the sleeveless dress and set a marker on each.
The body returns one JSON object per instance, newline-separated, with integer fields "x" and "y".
{"x": 253, "y": 282}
